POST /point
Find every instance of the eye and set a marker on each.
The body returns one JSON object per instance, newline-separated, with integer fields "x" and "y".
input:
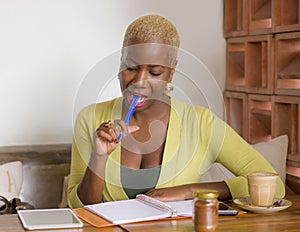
{"x": 156, "y": 71}
{"x": 131, "y": 68}
{"x": 156, "y": 74}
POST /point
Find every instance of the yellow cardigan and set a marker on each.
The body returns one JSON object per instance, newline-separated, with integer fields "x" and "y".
{"x": 196, "y": 138}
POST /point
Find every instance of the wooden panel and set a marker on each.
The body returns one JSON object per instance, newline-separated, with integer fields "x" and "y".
{"x": 260, "y": 64}
{"x": 286, "y": 15}
{"x": 260, "y": 17}
{"x": 259, "y": 118}
{"x": 286, "y": 115}
{"x": 235, "y": 18}
{"x": 287, "y": 63}
{"x": 235, "y": 64}
{"x": 236, "y": 112}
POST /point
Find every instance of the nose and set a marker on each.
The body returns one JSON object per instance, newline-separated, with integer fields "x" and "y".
{"x": 141, "y": 78}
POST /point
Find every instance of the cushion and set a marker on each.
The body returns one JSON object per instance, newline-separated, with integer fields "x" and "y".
{"x": 42, "y": 186}
{"x": 216, "y": 172}
{"x": 64, "y": 195}
{"x": 275, "y": 152}
{"x": 11, "y": 178}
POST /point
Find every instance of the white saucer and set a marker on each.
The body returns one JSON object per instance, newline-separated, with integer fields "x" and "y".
{"x": 245, "y": 203}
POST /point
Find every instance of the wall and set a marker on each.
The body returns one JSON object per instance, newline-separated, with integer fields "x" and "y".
{"x": 49, "y": 47}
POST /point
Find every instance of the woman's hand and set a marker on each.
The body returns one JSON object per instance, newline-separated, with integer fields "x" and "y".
{"x": 185, "y": 192}
{"x": 107, "y": 134}
{"x": 178, "y": 193}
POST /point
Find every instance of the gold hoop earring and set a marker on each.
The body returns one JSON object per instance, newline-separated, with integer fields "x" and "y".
{"x": 169, "y": 88}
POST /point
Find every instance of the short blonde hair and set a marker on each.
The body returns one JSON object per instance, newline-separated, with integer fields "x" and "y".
{"x": 151, "y": 28}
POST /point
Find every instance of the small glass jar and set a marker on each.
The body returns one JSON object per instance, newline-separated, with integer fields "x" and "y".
{"x": 205, "y": 215}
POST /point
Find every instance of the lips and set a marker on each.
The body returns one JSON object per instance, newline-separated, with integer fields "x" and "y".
{"x": 141, "y": 100}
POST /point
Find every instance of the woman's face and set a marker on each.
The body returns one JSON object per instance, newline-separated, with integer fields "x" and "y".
{"x": 145, "y": 70}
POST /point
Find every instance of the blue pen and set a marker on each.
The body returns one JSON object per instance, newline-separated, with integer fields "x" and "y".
{"x": 130, "y": 113}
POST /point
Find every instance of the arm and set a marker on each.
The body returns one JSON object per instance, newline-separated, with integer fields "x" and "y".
{"x": 244, "y": 159}
{"x": 185, "y": 192}
{"x": 91, "y": 187}
{"x": 90, "y": 151}
{"x": 239, "y": 157}
{"x": 225, "y": 147}
{"x": 82, "y": 147}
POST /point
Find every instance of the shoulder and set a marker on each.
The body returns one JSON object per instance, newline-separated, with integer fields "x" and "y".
{"x": 187, "y": 108}
{"x": 91, "y": 111}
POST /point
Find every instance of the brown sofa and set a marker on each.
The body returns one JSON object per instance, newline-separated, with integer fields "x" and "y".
{"x": 44, "y": 169}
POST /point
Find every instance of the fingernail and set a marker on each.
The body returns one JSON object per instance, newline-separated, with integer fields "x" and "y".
{"x": 112, "y": 140}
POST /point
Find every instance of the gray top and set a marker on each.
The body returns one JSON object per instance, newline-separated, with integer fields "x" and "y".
{"x": 138, "y": 181}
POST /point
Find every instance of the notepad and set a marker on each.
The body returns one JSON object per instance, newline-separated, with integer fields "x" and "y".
{"x": 142, "y": 208}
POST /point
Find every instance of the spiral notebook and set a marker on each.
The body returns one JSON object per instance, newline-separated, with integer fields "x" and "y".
{"x": 142, "y": 208}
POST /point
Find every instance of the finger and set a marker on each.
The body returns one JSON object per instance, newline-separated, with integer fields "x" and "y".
{"x": 109, "y": 128}
{"x": 113, "y": 135}
{"x": 106, "y": 135}
{"x": 149, "y": 192}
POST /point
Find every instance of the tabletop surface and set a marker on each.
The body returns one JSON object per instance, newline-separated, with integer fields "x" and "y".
{"x": 286, "y": 220}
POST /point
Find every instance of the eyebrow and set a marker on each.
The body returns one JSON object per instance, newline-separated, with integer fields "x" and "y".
{"x": 127, "y": 60}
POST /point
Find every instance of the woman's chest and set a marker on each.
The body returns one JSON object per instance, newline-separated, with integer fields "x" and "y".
{"x": 142, "y": 156}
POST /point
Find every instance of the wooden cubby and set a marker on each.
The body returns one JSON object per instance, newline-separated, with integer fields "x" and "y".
{"x": 259, "y": 64}
{"x": 235, "y": 63}
{"x": 260, "y": 17}
{"x": 286, "y": 15}
{"x": 286, "y": 116}
{"x": 236, "y": 112}
{"x": 259, "y": 118}
{"x": 250, "y": 64}
{"x": 235, "y": 18}
{"x": 287, "y": 63}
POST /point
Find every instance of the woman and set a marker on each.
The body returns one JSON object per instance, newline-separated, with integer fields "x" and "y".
{"x": 166, "y": 145}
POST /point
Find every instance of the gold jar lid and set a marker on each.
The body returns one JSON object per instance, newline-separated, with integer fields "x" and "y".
{"x": 206, "y": 193}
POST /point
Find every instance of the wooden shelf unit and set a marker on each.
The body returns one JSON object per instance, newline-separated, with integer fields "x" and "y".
{"x": 262, "y": 93}
{"x": 287, "y": 63}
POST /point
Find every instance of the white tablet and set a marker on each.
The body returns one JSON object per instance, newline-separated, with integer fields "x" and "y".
{"x": 38, "y": 219}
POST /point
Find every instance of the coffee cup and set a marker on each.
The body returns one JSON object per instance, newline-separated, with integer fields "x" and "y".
{"x": 262, "y": 187}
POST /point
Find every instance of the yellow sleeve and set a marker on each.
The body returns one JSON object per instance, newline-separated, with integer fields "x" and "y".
{"x": 81, "y": 150}
{"x": 241, "y": 158}
{"x": 87, "y": 121}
